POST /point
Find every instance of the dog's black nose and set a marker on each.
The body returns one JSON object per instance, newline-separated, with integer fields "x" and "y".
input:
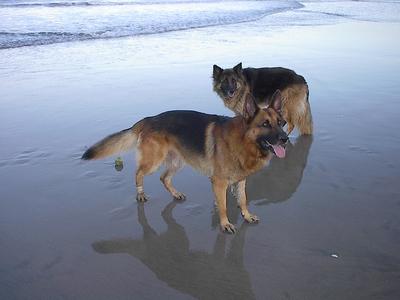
{"x": 284, "y": 139}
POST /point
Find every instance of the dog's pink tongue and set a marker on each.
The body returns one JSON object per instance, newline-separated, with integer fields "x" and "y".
{"x": 279, "y": 151}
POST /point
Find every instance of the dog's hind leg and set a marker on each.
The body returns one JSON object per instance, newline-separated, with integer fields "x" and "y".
{"x": 150, "y": 155}
{"x": 305, "y": 124}
{"x": 298, "y": 110}
{"x": 242, "y": 201}
{"x": 173, "y": 164}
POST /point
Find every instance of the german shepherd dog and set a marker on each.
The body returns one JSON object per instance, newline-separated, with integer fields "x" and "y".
{"x": 235, "y": 85}
{"x": 225, "y": 149}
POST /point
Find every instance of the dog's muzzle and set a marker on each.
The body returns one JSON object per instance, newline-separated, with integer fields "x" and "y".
{"x": 278, "y": 149}
{"x": 230, "y": 93}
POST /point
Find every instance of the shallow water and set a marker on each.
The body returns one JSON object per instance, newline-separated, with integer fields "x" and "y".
{"x": 72, "y": 229}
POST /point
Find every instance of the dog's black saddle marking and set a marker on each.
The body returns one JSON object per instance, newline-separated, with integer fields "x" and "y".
{"x": 189, "y": 127}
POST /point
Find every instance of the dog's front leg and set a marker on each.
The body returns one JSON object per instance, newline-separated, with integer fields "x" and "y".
{"x": 242, "y": 201}
{"x": 220, "y": 186}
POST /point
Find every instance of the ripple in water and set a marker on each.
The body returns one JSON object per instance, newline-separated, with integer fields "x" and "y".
{"x": 29, "y": 156}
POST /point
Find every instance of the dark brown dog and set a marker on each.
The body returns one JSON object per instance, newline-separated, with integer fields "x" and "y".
{"x": 235, "y": 85}
{"x": 225, "y": 149}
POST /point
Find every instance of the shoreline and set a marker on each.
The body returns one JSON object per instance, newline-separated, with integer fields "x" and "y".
{"x": 299, "y": 13}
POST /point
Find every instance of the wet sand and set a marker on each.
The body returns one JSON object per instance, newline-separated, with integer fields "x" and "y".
{"x": 72, "y": 229}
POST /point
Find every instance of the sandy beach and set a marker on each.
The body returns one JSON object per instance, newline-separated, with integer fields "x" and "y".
{"x": 330, "y": 211}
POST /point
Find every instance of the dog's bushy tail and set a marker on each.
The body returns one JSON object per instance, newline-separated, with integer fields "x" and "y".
{"x": 305, "y": 124}
{"x": 114, "y": 143}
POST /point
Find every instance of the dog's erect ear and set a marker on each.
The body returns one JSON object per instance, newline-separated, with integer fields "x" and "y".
{"x": 250, "y": 108}
{"x": 238, "y": 68}
{"x": 217, "y": 71}
{"x": 276, "y": 101}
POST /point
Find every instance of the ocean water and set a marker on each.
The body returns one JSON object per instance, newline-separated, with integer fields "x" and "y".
{"x": 39, "y": 22}
{"x": 46, "y": 22}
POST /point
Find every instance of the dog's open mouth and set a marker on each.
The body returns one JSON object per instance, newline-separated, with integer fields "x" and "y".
{"x": 230, "y": 94}
{"x": 278, "y": 150}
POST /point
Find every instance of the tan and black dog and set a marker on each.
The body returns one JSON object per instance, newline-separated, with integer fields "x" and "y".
{"x": 225, "y": 149}
{"x": 235, "y": 85}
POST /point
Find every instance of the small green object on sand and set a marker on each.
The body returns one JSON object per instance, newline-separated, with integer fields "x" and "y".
{"x": 119, "y": 164}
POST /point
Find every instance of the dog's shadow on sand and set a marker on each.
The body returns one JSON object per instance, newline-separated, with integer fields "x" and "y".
{"x": 220, "y": 274}
{"x": 275, "y": 183}
{"x": 203, "y": 275}
{"x": 282, "y": 177}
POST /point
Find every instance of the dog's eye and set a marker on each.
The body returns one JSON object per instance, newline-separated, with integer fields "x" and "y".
{"x": 281, "y": 123}
{"x": 265, "y": 124}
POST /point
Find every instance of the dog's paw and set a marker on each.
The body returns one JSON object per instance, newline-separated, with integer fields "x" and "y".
{"x": 251, "y": 218}
{"x": 228, "y": 228}
{"x": 179, "y": 196}
{"x": 141, "y": 197}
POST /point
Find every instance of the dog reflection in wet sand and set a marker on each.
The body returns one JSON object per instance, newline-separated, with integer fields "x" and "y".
{"x": 282, "y": 177}
{"x": 200, "y": 274}
{"x": 277, "y": 182}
